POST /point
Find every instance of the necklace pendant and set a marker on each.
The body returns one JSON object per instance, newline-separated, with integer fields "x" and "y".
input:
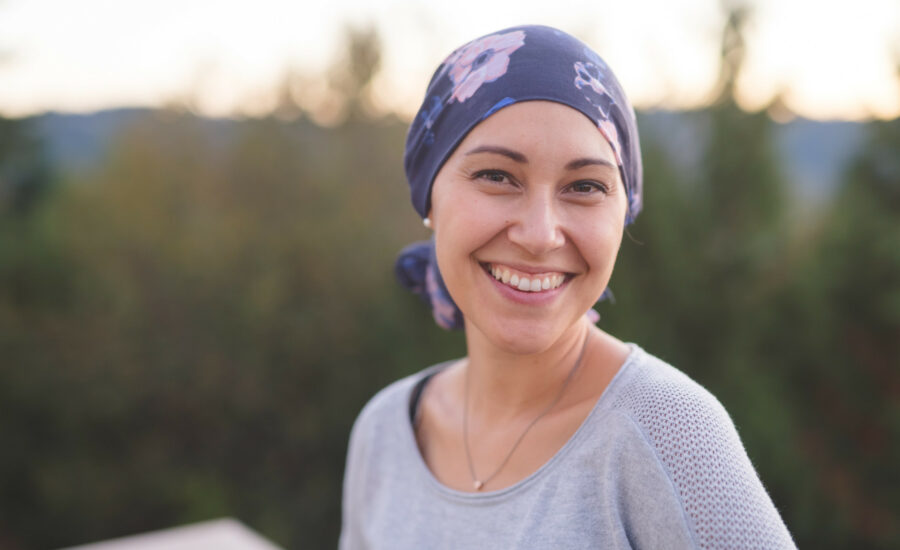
{"x": 478, "y": 485}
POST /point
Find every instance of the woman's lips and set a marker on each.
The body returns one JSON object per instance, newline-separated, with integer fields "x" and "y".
{"x": 526, "y": 282}
{"x": 523, "y": 286}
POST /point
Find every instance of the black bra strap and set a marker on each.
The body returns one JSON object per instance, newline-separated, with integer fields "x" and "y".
{"x": 416, "y": 396}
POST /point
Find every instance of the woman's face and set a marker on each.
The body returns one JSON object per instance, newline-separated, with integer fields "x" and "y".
{"x": 528, "y": 215}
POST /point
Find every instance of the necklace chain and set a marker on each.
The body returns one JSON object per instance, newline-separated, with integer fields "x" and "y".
{"x": 478, "y": 484}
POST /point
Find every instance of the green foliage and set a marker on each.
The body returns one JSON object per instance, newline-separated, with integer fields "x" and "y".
{"x": 24, "y": 174}
{"x": 196, "y": 327}
{"x": 844, "y": 303}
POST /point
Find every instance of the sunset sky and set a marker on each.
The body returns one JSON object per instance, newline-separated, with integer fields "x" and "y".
{"x": 829, "y": 59}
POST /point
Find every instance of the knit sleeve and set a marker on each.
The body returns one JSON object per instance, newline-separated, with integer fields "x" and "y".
{"x": 697, "y": 443}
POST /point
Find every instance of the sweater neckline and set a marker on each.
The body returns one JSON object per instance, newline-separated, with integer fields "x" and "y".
{"x": 486, "y": 497}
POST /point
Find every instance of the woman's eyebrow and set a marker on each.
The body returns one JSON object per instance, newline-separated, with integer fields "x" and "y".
{"x": 514, "y": 155}
{"x": 519, "y": 157}
{"x": 588, "y": 161}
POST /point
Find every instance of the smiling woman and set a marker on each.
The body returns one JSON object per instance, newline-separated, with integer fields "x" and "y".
{"x": 532, "y": 191}
{"x": 550, "y": 433}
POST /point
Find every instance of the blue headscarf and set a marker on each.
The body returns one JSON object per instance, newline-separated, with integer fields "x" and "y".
{"x": 517, "y": 64}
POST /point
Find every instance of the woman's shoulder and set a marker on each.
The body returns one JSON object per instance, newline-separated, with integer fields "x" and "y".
{"x": 674, "y": 413}
{"x": 654, "y": 392}
{"x": 383, "y": 407}
{"x": 696, "y": 442}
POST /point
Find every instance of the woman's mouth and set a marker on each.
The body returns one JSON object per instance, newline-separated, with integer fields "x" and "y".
{"x": 525, "y": 282}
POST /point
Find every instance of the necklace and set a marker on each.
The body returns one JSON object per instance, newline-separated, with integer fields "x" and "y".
{"x": 479, "y": 483}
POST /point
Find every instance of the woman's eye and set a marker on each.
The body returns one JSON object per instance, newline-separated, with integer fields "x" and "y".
{"x": 588, "y": 187}
{"x": 493, "y": 176}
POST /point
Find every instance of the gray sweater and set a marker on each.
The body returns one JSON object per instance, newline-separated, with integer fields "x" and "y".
{"x": 656, "y": 464}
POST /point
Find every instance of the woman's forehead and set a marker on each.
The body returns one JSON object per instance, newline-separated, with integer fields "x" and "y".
{"x": 542, "y": 129}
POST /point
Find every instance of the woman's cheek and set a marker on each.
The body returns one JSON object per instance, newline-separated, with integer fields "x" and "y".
{"x": 482, "y": 215}
{"x": 598, "y": 240}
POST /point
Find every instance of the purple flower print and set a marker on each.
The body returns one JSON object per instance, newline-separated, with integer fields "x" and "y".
{"x": 595, "y": 59}
{"x": 432, "y": 112}
{"x": 587, "y": 75}
{"x": 608, "y": 129}
{"x": 429, "y": 116}
{"x": 587, "y": 79}
{"x": 483, "y": 60}
{"x": 442, "y": 307}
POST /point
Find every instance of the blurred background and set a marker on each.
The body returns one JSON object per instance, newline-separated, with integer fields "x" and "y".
{"x": 201, "y": 202}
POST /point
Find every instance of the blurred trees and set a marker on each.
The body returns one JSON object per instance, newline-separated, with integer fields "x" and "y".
{"x": 189, "y": 330}
{"x": 217, "y": 308}
{"x": 24, "y": 173}
{"x": 844, "y": 307}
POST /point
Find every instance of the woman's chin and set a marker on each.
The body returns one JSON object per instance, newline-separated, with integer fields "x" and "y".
{"x": 522, "y": 337}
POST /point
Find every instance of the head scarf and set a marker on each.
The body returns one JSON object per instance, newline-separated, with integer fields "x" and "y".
{"x": 487, "y": 74}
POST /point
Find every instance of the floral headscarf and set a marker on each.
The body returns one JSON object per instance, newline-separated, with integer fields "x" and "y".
{"x": 517, "y": 64}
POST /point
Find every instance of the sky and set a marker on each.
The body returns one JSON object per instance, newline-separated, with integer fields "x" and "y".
{"x": 828, "y": 59}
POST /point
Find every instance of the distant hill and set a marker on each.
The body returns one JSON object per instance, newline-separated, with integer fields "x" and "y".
{"x": 80, "y": 141}
{"x": 814, "y": 154}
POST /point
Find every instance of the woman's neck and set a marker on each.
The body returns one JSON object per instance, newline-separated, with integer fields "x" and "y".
{"x": 503, "y": 384}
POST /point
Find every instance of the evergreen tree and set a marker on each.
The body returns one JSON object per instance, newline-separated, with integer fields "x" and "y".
{"x": 24, "y": 172}
{"x": 844, "y": 307}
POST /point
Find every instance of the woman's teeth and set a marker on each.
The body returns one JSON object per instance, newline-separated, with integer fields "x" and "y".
{"x": 530, "y": 283}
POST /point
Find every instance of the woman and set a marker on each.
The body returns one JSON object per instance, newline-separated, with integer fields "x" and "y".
{"x": 524, "y": 161}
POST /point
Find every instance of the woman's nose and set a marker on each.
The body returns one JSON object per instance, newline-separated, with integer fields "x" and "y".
{"x": 536, "y": 226}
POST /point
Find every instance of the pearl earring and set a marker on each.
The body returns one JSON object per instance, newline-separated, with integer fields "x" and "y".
{"x": 427, "y": 222}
